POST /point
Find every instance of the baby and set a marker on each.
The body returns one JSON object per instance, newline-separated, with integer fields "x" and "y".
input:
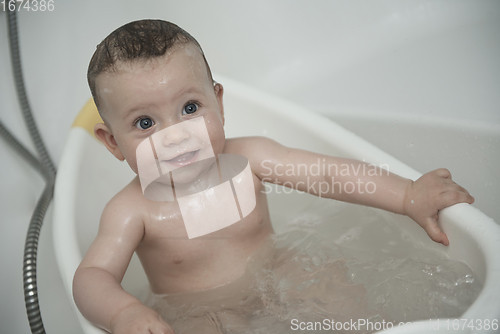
{"x": 155, "y": 93}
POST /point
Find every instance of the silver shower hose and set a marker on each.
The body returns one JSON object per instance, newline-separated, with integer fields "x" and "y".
{"x": 48, "y": 171}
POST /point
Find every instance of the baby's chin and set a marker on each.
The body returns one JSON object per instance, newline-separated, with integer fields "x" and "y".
{"x": 187, "y": 181}
{"x": 197, "y": 174}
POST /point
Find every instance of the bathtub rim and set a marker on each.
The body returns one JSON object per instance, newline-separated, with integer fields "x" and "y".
{"x": 68, "y": 255}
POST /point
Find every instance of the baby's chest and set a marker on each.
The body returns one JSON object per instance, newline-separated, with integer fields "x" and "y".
{"x": 206, "y": 219}
{"x": 163, "y": 220}
{"x": 169, "y": 223}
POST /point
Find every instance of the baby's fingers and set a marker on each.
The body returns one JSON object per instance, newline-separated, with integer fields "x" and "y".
{"x": 443, "y": 172}
{"x": 161, "y": 328}
{"x": 435, "y": 233}
{"x": 453, "y": 197}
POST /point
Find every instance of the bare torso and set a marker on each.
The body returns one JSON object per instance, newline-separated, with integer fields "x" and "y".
{"x": 174, "y": 263}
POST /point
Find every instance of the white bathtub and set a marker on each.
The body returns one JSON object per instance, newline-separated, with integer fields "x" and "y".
{"x": 89, "y": 176}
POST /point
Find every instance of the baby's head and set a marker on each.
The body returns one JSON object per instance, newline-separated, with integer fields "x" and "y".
{"x": 147, "y": 76}
{"x": 135, "y": 41}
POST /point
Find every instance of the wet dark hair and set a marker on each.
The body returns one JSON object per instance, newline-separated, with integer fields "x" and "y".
{"x": 144, "y": 39}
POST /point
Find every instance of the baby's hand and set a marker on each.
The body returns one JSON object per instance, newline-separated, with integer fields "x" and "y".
{"x": 139, "y": 319}
{"x": 432, "y": 192}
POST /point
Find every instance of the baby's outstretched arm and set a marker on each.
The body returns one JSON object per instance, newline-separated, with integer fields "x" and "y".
{"x": 96, "y": 285}
{"x": 354, "y": 181}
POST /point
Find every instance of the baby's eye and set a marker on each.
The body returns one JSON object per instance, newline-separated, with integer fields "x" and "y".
{"x": 190, "y": 108}
{"x": 144, "y": 123}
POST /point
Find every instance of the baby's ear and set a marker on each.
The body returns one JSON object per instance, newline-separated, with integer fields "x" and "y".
{"x": 219, "y": 92}
{"x": 104, "y": 134}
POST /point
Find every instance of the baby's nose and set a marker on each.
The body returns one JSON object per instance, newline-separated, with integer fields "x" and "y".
{"x": 173, "y": 135}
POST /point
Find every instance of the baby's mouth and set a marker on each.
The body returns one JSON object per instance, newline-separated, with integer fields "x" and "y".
{"x": 183, "y": 159}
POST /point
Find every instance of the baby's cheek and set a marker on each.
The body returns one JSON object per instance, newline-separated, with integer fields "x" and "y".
{"x": 132, "y": 162}
{"x": 133, "y": 166}
{"x": 217, "y": 136}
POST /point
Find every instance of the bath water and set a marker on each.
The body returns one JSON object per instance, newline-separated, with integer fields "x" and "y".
{"x": 334, "y": 263}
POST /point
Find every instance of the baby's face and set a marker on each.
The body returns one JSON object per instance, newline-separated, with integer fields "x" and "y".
{"x": 142, "y": 101}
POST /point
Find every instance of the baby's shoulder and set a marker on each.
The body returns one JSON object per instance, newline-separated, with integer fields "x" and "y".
{"x": 125, "y": 207}
{"x": 257, "y": 150}
{"x": 250, "y": 147}
{"x": 129, "y": 194}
